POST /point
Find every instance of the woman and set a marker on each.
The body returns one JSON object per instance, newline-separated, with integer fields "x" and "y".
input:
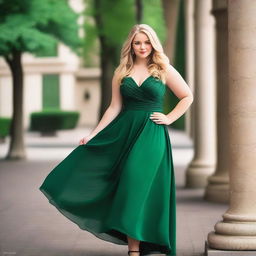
{"x": 119, "y": 182}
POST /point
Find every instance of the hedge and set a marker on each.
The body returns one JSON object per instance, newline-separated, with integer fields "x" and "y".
{"x": 52, "y": 120}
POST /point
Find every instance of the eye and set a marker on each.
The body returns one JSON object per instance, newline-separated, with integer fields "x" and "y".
{"x": 148, "y": 42}
{"x": 136, "y": 43}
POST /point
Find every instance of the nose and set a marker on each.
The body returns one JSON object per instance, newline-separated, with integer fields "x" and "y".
{"x": 142, "y": 46}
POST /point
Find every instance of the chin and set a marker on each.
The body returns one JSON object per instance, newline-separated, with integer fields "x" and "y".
{"x": 143, "y": 56}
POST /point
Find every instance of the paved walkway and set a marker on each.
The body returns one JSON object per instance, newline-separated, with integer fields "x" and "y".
{"x": 30, "y": 226}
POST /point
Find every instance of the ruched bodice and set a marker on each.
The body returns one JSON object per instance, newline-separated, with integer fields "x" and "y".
{"x": 148, "y": 96}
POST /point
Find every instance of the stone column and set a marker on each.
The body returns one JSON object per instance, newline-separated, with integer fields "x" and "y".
{"x": 237, "y": 230}
{"x": 189, "y": 30}
{"x": 218, "y": 184}
{"x": 204, "y": 160}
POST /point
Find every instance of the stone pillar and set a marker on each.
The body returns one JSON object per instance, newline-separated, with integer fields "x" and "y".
{"x": 237, "y": 230}
{"x": 189, "y": 30}
{"x": 203, "y": 163}
{"x": 217, "y": 189}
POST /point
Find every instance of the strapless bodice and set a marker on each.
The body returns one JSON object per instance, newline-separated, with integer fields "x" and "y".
{"x": 148, "y": 96}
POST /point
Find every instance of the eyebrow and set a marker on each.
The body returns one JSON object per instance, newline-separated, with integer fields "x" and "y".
{"x": 140, "y": 41}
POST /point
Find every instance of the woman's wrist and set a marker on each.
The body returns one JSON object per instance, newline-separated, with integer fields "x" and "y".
{"x": 169, "y": 118}
{"x": 91, "y": 135}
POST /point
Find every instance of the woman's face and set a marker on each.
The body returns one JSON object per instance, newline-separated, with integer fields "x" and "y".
{"x": 141, "y": 45}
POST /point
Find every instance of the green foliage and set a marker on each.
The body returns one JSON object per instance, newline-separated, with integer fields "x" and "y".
{"x": 52, "y": 120}
{"x": 117, "y": 18}
{"x": 35, "y": 25}
{"x": 52, "y": 52}
{"x": 90, "y": 45}
{"x": 153, "y": 15}
{"x": 5, "y": 123}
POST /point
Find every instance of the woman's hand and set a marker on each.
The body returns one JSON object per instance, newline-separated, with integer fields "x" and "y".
{"x": 85, "y": 140}
{"x": 160, "y": 118}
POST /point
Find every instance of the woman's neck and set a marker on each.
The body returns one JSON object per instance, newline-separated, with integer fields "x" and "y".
{"x": 141, "y": 61}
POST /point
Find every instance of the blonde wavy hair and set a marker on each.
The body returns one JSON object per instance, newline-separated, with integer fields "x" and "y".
{"x": 157, "y": 60}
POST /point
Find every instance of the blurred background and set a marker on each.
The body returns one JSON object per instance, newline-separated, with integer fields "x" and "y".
{"x": 63, "y": 55}
{"x": 57, "y": 59}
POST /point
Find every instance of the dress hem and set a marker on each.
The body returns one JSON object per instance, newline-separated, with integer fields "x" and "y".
{"x": 95, "y": 234}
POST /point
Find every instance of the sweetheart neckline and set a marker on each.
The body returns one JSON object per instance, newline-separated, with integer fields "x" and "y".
{"x": 138, "y": 86}
{"x": 136, "y": 82}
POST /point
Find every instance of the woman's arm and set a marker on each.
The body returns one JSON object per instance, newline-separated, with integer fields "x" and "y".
{"x": 111, "y": 112}
{"x": 180, "y": 88}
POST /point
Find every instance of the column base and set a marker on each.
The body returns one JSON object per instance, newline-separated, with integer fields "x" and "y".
{"x": 217, "y": 189}
{"x": 232, "y": 242}
{"x": 197, "y": 175}
{"x": 215, "y": 252}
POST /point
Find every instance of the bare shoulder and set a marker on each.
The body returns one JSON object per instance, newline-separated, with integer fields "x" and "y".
{"x": 172, "y": 73}
{"x": 176, "y": 83}
{"x": 115, "y": 79}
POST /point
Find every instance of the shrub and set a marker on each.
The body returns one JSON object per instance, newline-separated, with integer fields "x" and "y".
{"x": 49, "y": 121}
{"x": 5, "y": 124}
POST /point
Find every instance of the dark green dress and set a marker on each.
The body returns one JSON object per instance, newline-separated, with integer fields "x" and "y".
{"x": 122, "y": 181}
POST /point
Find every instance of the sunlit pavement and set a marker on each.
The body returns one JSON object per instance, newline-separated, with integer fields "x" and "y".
{"x": 30, "y": 226}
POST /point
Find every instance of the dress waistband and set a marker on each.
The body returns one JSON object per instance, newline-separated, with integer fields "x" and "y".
{"x": 145, "y": 106}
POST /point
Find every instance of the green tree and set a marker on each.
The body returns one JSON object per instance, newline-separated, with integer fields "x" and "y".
{"x": 107, "y": 22}
{"x": 138, "y": 10}
{"x": 110, "y": 21}
{"x": 31, "y": 26}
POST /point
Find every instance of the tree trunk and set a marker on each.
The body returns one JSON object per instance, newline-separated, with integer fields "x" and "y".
{"x": 171, "y": 11}
{"x": 107, "y": 68}
{"x": 107, "y": 61}
{"x": 139, "y": 10}
{"x": 17, "y": 146}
